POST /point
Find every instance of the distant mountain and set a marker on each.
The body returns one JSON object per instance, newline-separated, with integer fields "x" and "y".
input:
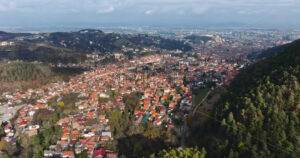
{"x": 96, "y": 40}
{"x": 71, "y": 47}
{"x": 9, "y": 36}
{"x": 259, "y": 115}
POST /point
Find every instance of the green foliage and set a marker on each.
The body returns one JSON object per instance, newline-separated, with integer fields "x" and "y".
{"x": 200, "y": 94}
{"x": 67, "y": 106}
{"x": 179, "y": 90}
{"x": 31, "y": 75}
{"x": 22, "y": 71}
{"x": 61, "y": 104}
{"x": 179, "y": 153}
{"x": 136, "y": 140}
{"x": 36, "y": 140}
{"x": 2, "y": 144}
{"x": 90, "y": 122}
{"x": 83, "y": 155}
{"x": 260, "y": 111}
{"x": 132, "y": 100}
{"x": 5, "y": 156}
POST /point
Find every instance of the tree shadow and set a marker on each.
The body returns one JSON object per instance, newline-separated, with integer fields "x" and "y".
{"x": 138, "y": 146}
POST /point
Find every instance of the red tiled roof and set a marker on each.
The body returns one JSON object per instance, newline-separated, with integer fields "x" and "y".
{"x": 99, "y": 152}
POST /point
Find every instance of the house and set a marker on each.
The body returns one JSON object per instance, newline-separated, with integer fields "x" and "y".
{"x": 65, "y": 137}
{"x": 32, "y": 127}
{"x": 62, "y": 143}
{"x": 89, "y": 134}
{"x": 64, "y": 120}
{"x": 103, "y": 95}
{"x": 68, "y": 154}
{"x": 6, "y": 139}
{"x": 105, "y": 138}
{"x": 23, "y": 123}
{"x": 158, "y": 121}
{"x": 10, "y": 133}
{"x": 32, "y": 132}
{"x": 106, "y": 133}
{"x": 111, "y": 155}
{"x": 99, "y": 153}
{"x": 48, "y": 153}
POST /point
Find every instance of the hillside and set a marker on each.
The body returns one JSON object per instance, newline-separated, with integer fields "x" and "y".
{"x": 22, "y": 75}
{"x": 96, "y": 40}
{"x": 8, "y": 36}
{"x": 259, "y": 114}
{"x": 43, "y": 52}
{"x": 71, "y": 47}
{"x": 19, "y": 71}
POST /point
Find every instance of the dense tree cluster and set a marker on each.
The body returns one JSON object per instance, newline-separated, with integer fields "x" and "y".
{"x": 96, "y": 40}
{"x": 24, "y": 74}
{"x": 180, "y": 153}
{"x": 21, "y": 71}
{"x": 259, "y": 115}
{"x": 46, "y": 52}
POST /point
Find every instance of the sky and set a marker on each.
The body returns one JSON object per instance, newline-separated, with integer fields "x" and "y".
{"x": 198, "y": 13}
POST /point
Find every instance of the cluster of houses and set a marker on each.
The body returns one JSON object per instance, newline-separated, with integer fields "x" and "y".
{"x": 80, "y": 137}
{"x": 159, "y": 100}
{"x": 159, "y": 77}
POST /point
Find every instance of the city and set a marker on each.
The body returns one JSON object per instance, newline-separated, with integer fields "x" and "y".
{"x": 149, "y": 79}
{"x": 167, "y": 82}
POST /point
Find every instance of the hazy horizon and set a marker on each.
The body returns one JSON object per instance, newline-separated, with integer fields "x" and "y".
{"x": 161, "y": 13}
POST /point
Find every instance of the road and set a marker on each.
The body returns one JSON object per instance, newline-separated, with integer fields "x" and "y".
{"x": 183, "y": 127}
{"x": 71, "y": 131}
{"x": 193, "y": 109}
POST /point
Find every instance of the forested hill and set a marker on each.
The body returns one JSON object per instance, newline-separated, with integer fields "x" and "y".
{"x": 96, "y": 40}
{"x": 8, "y": 36}
{"x": 71, "y": 47}
{"x": 19, "y": 71}
{"x": 259, "y": 114}
{"x": 23, "y": 75}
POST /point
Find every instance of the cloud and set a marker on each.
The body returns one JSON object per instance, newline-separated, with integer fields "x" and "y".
{"x": 140, "y": 9}
{"x": 107, "y": 10}
{"x": 181, "y": 12}
{"x": 149, "y": 12}
{"x": 166, "y": 6}
{"x": 6, "y": 5}
{"x": 200, "y": 10}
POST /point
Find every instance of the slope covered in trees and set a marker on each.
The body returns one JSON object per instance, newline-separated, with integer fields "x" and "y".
{"x": 43, "y": 52}
{"x": 96, "y": 40}
{"x": 180, "y": 153}
{"x": 259, "y": 114}
{"x": 19, "y": 71}
{"x": 20, "y": 75}
{"x": 71, "y": 47}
